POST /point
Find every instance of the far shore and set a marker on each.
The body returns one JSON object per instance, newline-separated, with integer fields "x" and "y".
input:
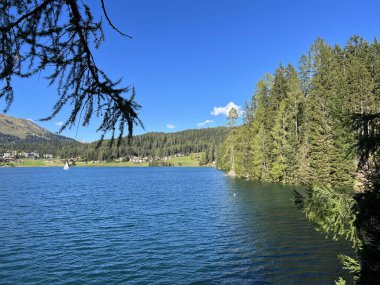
{"x": 185, "y": 161}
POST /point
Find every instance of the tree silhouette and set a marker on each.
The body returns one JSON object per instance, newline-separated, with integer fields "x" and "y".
{"x": 55, "y": 36}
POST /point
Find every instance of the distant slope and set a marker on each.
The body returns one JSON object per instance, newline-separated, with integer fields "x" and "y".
{"x": 24, "y": 135}
{"x": 20, "y": 128}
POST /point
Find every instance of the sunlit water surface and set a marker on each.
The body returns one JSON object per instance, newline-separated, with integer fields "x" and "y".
{"x": 155, "y": 226}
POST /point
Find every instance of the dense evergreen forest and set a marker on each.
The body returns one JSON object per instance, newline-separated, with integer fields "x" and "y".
{"x": 319, "y": 125}
{"x": 155, "y": 144}
{"x": 296, "y": 127}
{"x": 50, "y": 144}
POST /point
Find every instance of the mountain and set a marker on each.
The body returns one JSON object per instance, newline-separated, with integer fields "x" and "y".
{"x": 24, "y": 135}
{"x": 20, "y": 128}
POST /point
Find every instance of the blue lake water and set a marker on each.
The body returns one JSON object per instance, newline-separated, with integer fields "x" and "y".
{"x": 155, "y": 226}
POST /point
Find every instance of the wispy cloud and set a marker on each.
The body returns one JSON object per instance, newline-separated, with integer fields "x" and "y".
{"x": 225, "y": 110}
{"x": 204, "y": 123}
{"x": 59, "y": 124}
{"x": 170, "y": 126}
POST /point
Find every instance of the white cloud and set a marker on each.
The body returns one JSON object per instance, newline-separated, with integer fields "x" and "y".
{"x": 170, "y": 126}
{"x": 30, "y": 120}
{"x": 59, "y": 124}
{"x": 226, "y": 109}
{"x": 202, "y": 124}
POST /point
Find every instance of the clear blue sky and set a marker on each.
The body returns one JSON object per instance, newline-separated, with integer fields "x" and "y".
{"x": 187, "y": 57}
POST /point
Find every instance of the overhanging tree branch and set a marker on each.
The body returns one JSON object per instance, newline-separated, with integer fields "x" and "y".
{"x": 54, "y": 36}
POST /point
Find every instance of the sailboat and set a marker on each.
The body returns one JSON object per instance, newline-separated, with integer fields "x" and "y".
{"x": 66, "y": 167}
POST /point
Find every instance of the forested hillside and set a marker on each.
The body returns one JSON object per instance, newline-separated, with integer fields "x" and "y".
{"x": 297, "y": 125}
{"x": 155, "y": 144}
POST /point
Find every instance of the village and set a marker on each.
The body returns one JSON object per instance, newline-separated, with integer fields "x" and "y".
{"x": 138, "y": 159}
{"x": 15, "y": 156}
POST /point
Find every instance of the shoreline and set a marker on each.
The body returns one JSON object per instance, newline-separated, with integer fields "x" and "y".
{"x": 187, "y": 161}
{"x": 41, "y": 164}
{"x": 106, "y": 166}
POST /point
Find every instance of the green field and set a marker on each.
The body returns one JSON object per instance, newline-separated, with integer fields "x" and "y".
{"x": 31, "y": 162}
{"x": 184, "y": 161}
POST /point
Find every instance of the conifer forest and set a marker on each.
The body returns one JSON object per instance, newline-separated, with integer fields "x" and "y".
{"x": 297, "y": 126}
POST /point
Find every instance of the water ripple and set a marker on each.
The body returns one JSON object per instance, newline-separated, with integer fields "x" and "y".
{"x": 155, "y": 226}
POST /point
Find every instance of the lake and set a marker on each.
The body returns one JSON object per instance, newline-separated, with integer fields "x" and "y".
{"x": 155, "y": 226}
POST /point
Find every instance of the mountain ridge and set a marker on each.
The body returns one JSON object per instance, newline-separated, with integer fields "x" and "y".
{"x": 23, "y": 130}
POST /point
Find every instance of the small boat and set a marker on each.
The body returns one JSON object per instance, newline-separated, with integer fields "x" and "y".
{"x": 66, "y": 167}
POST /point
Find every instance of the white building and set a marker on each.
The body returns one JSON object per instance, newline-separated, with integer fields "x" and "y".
{"x": 30, "y": 154}
{"x": 8, "y": 155}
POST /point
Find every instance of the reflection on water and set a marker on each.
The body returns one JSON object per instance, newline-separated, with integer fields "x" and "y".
{"x": 155, "y": 225}
{"x": 281, "y": 235}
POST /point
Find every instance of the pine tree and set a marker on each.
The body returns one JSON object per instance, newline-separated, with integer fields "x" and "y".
{"x": 241, "y": 151}
{"x": 278, "y": 93}
{"x": 212, "y": 153}
{"x": 258, "y": 166}
{"x": 260, "y": 135}
{"x": 304, "y": 67}
{"x": 318, "y": 120}
{"x": 280, "y": 146}
{"x": 293, "y": 118}
{"x": 248, "y": 113}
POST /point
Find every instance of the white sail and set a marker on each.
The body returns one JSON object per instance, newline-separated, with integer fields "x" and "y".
{"x": 66, "y": 167}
